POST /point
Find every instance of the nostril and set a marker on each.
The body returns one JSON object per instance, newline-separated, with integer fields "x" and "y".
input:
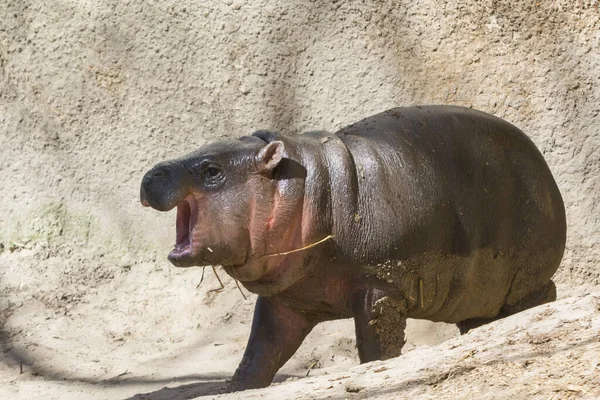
{"x": 160, "y": 188}
{"x": 159, "y": 173}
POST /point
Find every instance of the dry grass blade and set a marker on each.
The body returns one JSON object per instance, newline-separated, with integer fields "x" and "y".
{"x": 311, "y": 366}
{"x": 421, "y": 292}
{"x": 201, "y": 279}
{"x": 240, "y": 289}
{"x": 326, "y": 238}
{"x": 219, "y": 279}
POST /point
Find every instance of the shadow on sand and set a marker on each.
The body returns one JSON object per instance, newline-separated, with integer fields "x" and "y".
{"x": 211, "y": 386}
{"x": 184, "y": 392}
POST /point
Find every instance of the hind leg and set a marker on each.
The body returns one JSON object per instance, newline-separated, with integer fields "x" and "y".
{"x": 544, "y": 295}
{"x": 468, "y": 324}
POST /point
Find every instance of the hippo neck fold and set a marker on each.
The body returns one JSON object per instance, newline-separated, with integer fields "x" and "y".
{"x": 299, "y": 215}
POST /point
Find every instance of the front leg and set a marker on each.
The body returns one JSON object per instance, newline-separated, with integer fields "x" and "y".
{"x": 277, "y": 332}
{"x": 379, "y": 321}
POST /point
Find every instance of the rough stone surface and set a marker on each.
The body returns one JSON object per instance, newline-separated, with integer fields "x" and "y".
{"x": 92, "y": 93}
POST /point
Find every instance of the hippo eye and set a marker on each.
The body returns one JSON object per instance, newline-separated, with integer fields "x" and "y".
{"x": 213, "y": 173}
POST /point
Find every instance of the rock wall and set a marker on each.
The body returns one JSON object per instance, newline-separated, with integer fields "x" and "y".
{"x": 92, "y": 93}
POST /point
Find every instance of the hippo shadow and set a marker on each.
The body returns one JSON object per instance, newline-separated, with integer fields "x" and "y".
{"x": 196, "y": 389}
{"x": 183, "y": 392}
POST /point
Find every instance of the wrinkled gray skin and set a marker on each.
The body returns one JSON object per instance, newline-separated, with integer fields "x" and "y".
{"x": 440, "y": 213}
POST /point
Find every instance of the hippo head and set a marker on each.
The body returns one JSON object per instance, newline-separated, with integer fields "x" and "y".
{"x": 234, "y": 207}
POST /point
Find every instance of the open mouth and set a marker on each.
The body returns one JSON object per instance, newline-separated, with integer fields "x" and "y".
{"x": 187, "y": 216}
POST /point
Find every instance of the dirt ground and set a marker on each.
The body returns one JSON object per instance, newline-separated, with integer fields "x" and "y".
{"x": 145, "y": 330}
{"x": 133, "y": 328}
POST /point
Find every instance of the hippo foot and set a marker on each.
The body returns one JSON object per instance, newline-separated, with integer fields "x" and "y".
{"x": 240, "y": 386}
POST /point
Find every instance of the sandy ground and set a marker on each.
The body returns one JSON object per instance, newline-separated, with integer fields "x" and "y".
{"x": 145, "y": 330}
{"x": 133, "y": 328}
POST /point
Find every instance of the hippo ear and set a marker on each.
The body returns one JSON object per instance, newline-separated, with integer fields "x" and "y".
{"x": 269, "y": 156}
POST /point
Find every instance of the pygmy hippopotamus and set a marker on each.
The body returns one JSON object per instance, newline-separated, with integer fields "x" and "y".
{"x": 438, "y": 212}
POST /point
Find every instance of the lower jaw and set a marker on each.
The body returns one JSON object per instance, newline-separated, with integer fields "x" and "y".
{"x": 182, "y": 258}
{"x": 246, "y": 272}
{"x": 262, "y": 288}
{"x": 185, "y": 258}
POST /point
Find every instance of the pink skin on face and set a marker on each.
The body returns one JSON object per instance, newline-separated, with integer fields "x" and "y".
{"x": 246, "y": 227}
{"x": 187, "y": 218}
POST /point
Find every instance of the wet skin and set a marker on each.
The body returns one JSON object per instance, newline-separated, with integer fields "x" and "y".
{"x": 440, "y": 213}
